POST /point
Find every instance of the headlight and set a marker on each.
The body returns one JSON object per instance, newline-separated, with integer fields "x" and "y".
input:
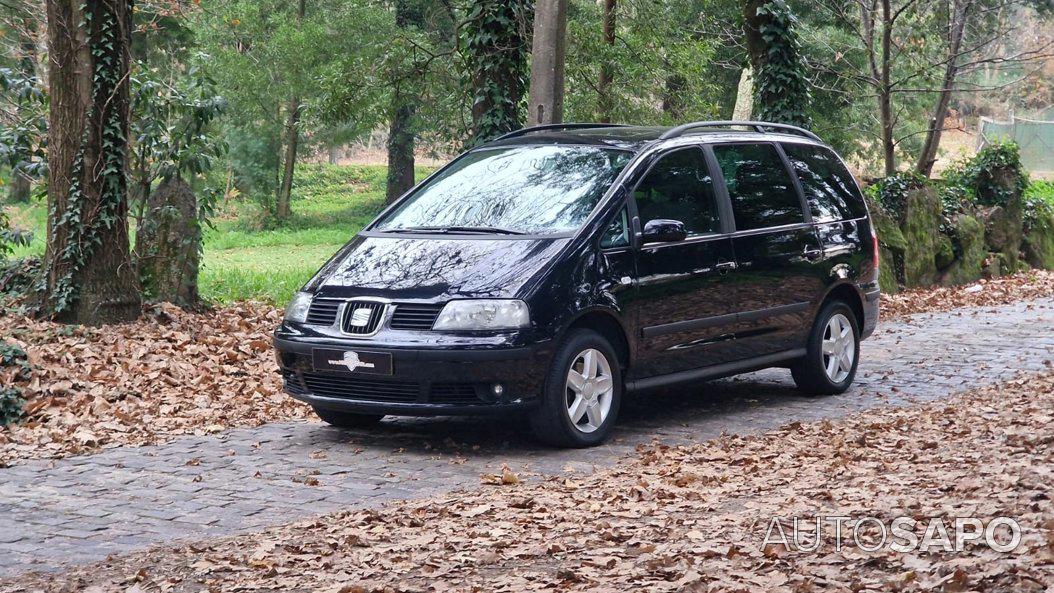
{"x": 483, "y": 314}
{"x": 297, "y": 308}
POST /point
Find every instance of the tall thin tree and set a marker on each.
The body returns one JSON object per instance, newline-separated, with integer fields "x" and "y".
{"x": 283, "y": 207}
{"x": 546, "y": 99}
{"x": 605, "y": 103}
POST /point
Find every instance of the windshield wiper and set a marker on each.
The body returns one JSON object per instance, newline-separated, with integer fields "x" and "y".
{"x": 493, "y": 230}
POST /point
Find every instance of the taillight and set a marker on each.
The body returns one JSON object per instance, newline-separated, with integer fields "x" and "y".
{"x": 874, "y": 246}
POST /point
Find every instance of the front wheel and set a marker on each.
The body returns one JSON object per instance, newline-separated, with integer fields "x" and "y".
{"x": 583, "y": 393}
{"x": 346, "y": 419}
{"x": 832, "y": 353}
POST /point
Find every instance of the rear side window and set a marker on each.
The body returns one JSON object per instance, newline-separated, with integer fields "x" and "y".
{"x": 828, "y": 185}
{"x": 759, "y": 186}
{"x": 679, "y": 187}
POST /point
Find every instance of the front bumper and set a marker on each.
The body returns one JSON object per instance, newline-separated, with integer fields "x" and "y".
{"x": 424, "y": 381}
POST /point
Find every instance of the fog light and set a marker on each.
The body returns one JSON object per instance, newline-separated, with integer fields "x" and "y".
{"x": 498, "y": 389}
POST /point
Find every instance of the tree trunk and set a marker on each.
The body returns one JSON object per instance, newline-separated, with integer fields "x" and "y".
{"x": 333, "y": 155}
{"x": 672, "y": 97}
{"x": 885, "y": 92}
{"x": 400, "y": 150}
{"x": 401, "y": 134}
{"x": 497, "y": 61}
{"x": 605, "y": 103}
{"x": 752, "y": 23}
{"x": 292, "y": 139}
{"x": 744, "y": 107}
{"x": 546, "y": 102}
{"x": 20, "y": 188}
{"x": 87, "y": 272}
{"x": 168, "y": 244}
{"x": 956, "y": 28}
{"x": 283, "y": 208}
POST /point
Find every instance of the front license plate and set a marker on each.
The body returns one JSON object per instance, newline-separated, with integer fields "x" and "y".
{"x": 352, "y": 361}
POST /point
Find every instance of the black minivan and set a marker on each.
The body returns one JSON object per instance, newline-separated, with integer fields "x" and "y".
{"x": 558, "y": 267}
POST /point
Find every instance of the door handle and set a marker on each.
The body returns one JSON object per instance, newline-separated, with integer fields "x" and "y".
{"x": 812, "y": 254}
{"x": 725, "y": 266}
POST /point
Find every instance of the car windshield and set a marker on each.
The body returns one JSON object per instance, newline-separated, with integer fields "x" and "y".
{"x": 511, "y": 190}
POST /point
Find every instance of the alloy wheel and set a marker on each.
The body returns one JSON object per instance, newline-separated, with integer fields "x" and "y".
{"x": 839, "y": 348}
{"x": 589, "y": 390}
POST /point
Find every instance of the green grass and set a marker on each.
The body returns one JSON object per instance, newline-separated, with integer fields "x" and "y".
{"x": 243, "y": 260}
{"x": 1042, "y": 190}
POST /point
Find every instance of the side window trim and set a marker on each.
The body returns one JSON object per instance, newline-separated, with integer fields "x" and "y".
{"x": 724, "y": 203}
{"x": 724, "y": 215}
{"x": 789, "y": 167}
{"x": 722, "y": 188}
{"x": 619, "y": 206}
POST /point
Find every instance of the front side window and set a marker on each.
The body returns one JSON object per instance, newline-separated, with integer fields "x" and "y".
{"x": 679, "y": 187}
{"x": 829, "y": 187}
{"x": 759, "y": 186}
{"x": 518, "y": 189}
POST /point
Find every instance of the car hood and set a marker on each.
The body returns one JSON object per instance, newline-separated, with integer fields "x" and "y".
{"x": 431, "y": 268}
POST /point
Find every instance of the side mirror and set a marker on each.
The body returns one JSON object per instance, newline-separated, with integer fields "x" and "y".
{"x": 663, "y": 231}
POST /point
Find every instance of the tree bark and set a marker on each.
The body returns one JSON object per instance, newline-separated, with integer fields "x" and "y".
{"x": 400, "y": 150}
{"x": 605, "y": 103}
{"x": 885, "y": 92}
{"x": 956, "y": 29}
{"x": 546, "y": 98}
{"x": 752, "y": 23}
{"x": 498, "y": 65}
{"x": 20, "y": 188}
{"x": 87, "y": 272}
{"x": 168, "y": 244}
{"x": 283, "y": 209}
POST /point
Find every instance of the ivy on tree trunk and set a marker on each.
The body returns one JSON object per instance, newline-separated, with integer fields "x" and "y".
{"x": 781, "y": 84}
{"x": 87, "y": 276}
{"x": 495, "y": 38}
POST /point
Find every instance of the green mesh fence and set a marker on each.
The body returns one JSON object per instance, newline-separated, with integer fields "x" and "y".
{"x": 1035, "y": 138}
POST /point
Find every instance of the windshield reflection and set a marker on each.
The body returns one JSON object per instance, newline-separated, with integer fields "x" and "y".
{"x": 526, "y": 189}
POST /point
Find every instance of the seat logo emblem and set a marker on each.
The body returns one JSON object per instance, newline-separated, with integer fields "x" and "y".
{"x": 360, "y": 317}
{"x": 351, "y": 360}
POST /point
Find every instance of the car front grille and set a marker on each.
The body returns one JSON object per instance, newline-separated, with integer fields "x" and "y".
{"x": 362, "y": 318}
{"x": 415, "y": 317}
{"x": 378, "y": 390}
{"x": 323, "y": 311}
{"x": 405, "y": 316}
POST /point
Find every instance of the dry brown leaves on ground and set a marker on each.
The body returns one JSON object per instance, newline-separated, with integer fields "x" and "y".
{"x": 171, "y": 373}
{"x": 1022, "y": 286}
{"x": 675, "y": 518}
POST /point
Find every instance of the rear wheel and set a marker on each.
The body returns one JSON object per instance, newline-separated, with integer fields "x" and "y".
{"x": 346, "y": 419}
{"x": 833, "y": 351}
{"x": 583, "y": 393}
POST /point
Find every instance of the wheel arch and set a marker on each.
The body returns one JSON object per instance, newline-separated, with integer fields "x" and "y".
{"x": 608, "y": 324}
{"x": 850, "y": 295}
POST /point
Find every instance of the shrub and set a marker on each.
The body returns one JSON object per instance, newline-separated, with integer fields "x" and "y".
{"x": 891, "y": 193}
{"x": 1039, "y": 200}
{"x": 974, "y": 181}
{"x": 12, "y": 406}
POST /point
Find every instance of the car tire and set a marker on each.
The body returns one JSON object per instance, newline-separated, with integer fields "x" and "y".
{"x": 826, "y": 373}
{"x": 595, "y": 401}
{"x": 347, "y": 419}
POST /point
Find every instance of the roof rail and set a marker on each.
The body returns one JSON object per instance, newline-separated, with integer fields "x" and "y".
{"x": 759, "y": 126}
{"x": 567, "y": 126}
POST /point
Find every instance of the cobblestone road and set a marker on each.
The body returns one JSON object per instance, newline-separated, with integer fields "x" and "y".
{"x": 82, "y": 509}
